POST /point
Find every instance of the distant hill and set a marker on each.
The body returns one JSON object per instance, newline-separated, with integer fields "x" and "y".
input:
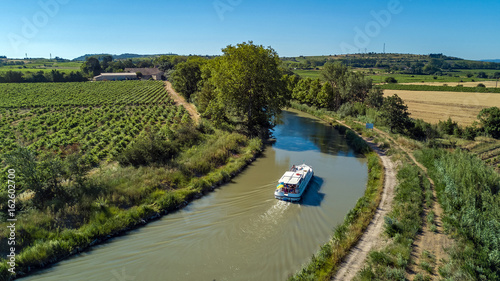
{"x": 496, "y": 60}
{"x": 118, "y": 57}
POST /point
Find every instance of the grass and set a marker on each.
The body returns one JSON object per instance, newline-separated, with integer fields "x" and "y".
{"x": 468, "y": 191}
{"x": 401, "y": 227}
{"x": 126, "y": 197}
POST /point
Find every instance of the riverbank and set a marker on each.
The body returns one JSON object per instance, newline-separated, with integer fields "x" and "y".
{"x": 326, "y": 262}
{"x": 161, "y": 190}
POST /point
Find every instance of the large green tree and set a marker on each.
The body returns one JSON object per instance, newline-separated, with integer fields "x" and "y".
{"x": 187, "y": 76}
{"x": 396, "y": 114}
{"x": 249, "y": 86}
{"x": 91, "y": 66}
{"x": 490, "y": 120}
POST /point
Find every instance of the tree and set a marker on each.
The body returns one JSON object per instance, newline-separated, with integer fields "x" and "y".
{"x": 325, "y": 96}
{"x": 91, "y": 66}
{"x": 482, "y": 74}
{"x": 375, "y": 98}
{"x": 490, "y": 121}
{"x": 391, "y": 80}
{"x": 105, "y": 61}
{"x": 249, "y": 86}
{"x": 395, "y": 113}
{"x": 187, "y": 75}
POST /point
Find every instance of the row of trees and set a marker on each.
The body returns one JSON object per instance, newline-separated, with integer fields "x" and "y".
{"x": 95, "y": 65}
{"x": 41, "y": 76}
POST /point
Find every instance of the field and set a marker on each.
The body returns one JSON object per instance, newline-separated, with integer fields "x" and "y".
{"x": 100, "y": 158}
{"x": 41, "y": 65}
{"x": 99, "y": 118}
{"x": 25, "y": 95}
{"x": 488, "y": 84}
{"x": 434, "y": 106}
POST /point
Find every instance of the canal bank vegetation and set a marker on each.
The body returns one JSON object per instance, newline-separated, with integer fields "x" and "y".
{"x": 65, "y": 213}
{"x": 469, "y": 192}
{"x": 401, "y": 227}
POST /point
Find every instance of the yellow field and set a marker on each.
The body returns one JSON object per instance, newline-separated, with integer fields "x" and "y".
{"x": 434, "y": 106}
{"x": 488, "y": 84}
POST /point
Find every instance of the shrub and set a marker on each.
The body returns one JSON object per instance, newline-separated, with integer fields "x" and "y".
{"x": 390, "y": 80}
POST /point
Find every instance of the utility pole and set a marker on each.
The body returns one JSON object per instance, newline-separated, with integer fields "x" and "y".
{"x": 384, "y": 48}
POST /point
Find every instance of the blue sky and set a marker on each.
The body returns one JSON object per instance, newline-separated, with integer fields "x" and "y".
{"x": 70, "y": 28}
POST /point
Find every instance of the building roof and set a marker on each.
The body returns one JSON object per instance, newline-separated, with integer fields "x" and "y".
{"x": 118, "y": 74}
{"x": 144, "y": 71}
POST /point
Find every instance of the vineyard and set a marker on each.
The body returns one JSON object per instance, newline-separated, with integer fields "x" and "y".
{"x": 27, "y": 95}
{"x": 103, "y": 119}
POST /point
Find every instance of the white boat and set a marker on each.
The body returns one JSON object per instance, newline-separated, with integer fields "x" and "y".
{"x": 293, "y": 183}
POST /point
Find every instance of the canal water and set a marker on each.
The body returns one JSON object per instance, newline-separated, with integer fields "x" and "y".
{"x": 239, "y": 232}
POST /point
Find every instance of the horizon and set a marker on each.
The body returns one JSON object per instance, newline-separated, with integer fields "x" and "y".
{"x": 69, "y": 29}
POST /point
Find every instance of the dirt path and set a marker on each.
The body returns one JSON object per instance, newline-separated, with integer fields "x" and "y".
{"x": 372, "y": 236}
{"x": 180, "y": 100}
{"x": 431, "y": 242}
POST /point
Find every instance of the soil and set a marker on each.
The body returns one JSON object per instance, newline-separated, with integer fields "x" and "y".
{"x": 180, "y": 100}
{"x": 372, "y": 236}
{"x": 434, "y": 243}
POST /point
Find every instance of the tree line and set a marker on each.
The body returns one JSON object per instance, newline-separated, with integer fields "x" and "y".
{"x": 41, "y": 76}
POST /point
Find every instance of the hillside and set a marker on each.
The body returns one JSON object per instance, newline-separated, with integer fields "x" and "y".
{"x": 118, "y": 57}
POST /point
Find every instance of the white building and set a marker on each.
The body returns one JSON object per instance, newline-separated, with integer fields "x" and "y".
{"x": 115, "y": 77}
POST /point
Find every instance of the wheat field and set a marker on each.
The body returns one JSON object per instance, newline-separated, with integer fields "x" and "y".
{"x": 433, "y": 106}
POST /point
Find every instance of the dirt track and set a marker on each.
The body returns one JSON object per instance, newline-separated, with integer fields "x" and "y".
{"x": 182, "y": 101}
{"x": 372, "y": 236}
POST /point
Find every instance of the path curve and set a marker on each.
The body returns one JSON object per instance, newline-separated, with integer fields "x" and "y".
{"x": 354, "y": 262}
{"x": 180, "y": 100}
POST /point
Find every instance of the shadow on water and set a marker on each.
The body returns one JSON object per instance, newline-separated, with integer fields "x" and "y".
{"x": 313, "y": 196}
{"x": 300, "y": 133}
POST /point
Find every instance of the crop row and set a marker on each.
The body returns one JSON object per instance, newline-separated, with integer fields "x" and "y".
{"x": 101, "y": 131}
{"x": 26, "y": 95}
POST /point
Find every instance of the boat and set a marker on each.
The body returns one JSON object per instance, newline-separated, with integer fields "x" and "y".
{"x": 294, "y": 183}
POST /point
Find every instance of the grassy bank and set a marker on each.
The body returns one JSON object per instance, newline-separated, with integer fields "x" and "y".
{"x": 119, "y": 198}
{"x": 325, "y": 263}
{"x": 401, "y": 227}
{"x": 468, "y": 191}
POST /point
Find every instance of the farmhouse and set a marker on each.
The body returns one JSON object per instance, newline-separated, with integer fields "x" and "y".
{"x": 147, "y": 73}
{"x": 115, "y": 77}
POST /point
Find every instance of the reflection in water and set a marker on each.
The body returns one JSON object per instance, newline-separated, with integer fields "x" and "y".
{"x": 239, "y": 232}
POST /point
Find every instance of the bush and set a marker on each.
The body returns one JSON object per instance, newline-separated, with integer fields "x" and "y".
{"x": 390, "y": 80}
{"x": 481, "y": 85}
{"x": 148, "y": 150}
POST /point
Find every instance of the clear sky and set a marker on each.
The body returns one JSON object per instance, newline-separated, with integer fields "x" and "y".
{"x": 70, "y": 28}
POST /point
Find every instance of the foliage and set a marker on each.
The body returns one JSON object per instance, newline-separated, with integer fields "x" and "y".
{"x": 147, "y": 150}
{"x": 438, "y": 88}
{"x": 375, "y": 98}
{"x": 248, "y": 86}
{"x": 390, "y": 80}
{"x": 402, "y": 225}
{"x": 187, "y": 76}
{"x": 490, "y": 121}
{"x": 91, "y": 67}
{"x": 396, "y": 114}
{"x": 468, "y": 191}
